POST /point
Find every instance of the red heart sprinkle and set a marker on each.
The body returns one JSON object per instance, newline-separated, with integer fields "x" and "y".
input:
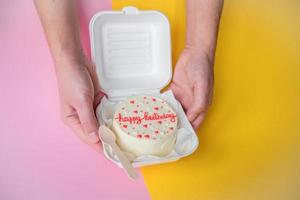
{"x": 155, "y": 108}
{"x": 147, "y": 136}
{"x": 139, "y": 135}
{"x": 145, "y": 125}
{"x": 135, "y": 111}
{"x": 125, "y": 126}
{"x": 156, "y": 132}
{"x": 131, "y": 101}
{"x": 159, "y": 122}
{"x": 153, "y": 99}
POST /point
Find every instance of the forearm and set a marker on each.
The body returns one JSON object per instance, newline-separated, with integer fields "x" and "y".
{"x": 59, "y": 21}
{"x": 203, "y": 18}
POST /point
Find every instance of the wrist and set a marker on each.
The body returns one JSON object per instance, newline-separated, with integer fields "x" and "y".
{"x": 200, "y": 51}
{"x": 70, "y": 59}
{"x": 67, "y": 50}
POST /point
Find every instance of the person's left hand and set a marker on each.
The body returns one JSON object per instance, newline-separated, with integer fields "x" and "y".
{"x": 192, "y": 84}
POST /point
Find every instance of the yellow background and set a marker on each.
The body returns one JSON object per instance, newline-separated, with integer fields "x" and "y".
{"x": 250, "y": 140}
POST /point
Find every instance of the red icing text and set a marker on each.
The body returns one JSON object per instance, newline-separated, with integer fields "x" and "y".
{"x": 146, "y": 117}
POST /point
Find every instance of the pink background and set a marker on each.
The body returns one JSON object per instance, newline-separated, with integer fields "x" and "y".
{"x": 40, "y": 158}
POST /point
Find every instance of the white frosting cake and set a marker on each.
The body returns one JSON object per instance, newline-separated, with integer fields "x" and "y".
{"x": 145, "y": 125}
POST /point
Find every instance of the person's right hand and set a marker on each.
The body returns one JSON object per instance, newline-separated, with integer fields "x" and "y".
{"x": 79, "y": 93}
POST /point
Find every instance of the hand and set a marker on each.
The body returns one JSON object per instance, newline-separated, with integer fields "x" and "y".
{"x": 193, "y": 84}
{"x": 79, "y": 93}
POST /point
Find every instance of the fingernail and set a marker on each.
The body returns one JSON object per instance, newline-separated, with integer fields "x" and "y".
{"x": 93, "y": 136}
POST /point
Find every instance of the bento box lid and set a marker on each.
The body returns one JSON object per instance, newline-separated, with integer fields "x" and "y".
{"x": 131, "y": 50}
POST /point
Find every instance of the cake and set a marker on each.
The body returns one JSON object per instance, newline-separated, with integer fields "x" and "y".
{"x": 145, "y": 125}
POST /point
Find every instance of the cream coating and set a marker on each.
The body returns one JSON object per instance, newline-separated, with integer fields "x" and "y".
{"x": 145, "y": 125}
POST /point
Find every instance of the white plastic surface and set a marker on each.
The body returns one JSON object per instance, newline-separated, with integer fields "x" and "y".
{"x": 131, "y": 50}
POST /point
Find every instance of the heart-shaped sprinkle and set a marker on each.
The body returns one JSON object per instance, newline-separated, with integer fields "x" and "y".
{"x": 156, "y": 132}
{"x": 145, "y": 125}
{"x": 147, "y": 136}
{"x": 153, "y": 99}
{"x": 132, "y": 101}
{"x": 125, "y": 126}
{"x": 135, "y": 111}
{"x": 155, "y": 108}
{"x": 139, "y": 136}
{"x": 160, "y": 122}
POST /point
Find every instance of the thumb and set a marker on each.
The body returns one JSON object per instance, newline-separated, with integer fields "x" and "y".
{"x": 89, "y": 121}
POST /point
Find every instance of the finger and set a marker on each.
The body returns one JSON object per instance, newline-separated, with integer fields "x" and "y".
{"x": 195, "y": 110}
{"x": 176, "y": 91}
{"x": 73, "y": 122}
{"x": 98, "y": 96}
{"x": 181, "y": 96}
{"x": 97, "y": 147}
{"x": 198, "y": 121}
{"x": 88, "y": 121}
{"x": 70, "y": 118}
{"x": 79, "y": 131}
{"x": 91, "y": 67}
{"x": 199, "y": 104}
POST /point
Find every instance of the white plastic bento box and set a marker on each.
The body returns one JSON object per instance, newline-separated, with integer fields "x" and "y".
{"x": 131, "y": 50}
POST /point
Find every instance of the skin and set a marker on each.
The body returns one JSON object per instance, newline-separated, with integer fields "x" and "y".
{"x": 78, "y": 86}
{"x": 193, "y": 78}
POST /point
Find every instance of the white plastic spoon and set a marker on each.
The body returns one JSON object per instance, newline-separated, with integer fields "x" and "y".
{"x": 108, "y": 137}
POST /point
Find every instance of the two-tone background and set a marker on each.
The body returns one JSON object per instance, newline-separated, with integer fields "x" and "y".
{"x": 250, "y": 140}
